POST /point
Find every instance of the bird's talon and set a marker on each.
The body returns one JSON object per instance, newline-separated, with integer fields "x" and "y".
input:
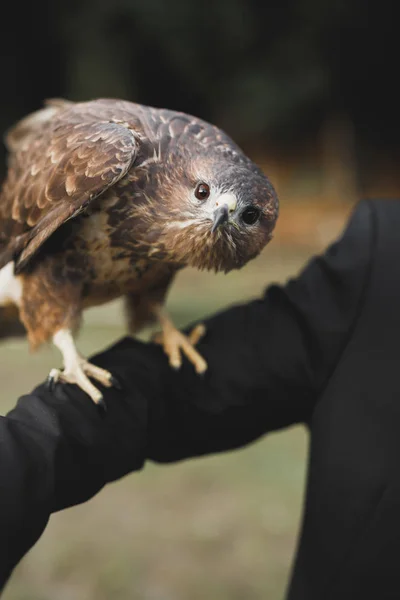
{"x": 101, "y": 406}
{"x": 52, "y": 378}
{"x": 197, "y": 334}
{"x": 50, "y": 383}
{"x": 96, "y": 373}
{"x": 176, "y": 344}
{"x": 115, "y": 383}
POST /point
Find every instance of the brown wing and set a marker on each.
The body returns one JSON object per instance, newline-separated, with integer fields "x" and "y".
{"x": 55, "y": 175}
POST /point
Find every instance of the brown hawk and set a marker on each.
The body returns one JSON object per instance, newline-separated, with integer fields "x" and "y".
{"x": 109, "y": 198}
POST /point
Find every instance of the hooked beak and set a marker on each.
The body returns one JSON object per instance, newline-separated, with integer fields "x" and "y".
{"x": 221, "y": 215}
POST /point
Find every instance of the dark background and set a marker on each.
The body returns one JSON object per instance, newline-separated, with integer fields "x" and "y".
{"x": 271, "y": 73}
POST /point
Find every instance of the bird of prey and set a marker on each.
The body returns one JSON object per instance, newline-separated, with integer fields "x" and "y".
{"x": 108, "y": 198}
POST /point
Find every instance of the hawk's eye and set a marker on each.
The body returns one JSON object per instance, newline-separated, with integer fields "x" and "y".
{"x": 250, "y": 215}
{"x": 202, "y": 191}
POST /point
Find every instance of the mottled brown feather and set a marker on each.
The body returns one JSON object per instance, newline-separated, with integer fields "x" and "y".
{"x": 54, "y": 176}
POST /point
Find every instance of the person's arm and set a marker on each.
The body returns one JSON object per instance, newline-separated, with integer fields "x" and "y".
{"x": 267, "y": 362}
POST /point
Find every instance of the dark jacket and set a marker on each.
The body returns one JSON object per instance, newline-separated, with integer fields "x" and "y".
{"x": 323, "y": 350}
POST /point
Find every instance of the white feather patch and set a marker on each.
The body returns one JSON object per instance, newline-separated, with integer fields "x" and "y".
{"x": 10, "y": 286}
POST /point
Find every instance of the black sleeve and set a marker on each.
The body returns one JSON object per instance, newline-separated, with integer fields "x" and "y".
{"x": 267, "y": 362}
{"x": 269, "y": 359}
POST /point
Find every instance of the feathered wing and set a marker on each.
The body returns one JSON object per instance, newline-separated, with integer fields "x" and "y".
{"x": 55, "y": 174}
{"x": 28, "y": 127}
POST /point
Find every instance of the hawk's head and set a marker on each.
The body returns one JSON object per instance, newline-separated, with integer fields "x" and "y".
{"x": 219, "y": 209}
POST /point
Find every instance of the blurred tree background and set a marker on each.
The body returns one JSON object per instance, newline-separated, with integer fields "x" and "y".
{"x": 309, "y": 89}
{"x": 275, "y": 75}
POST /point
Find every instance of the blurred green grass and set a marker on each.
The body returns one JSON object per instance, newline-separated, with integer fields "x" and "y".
{"x": 221, "y": 527}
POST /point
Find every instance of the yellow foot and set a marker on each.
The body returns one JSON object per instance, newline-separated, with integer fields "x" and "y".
{"x": 173, "y": 342}
{"x": 79, "y": 374}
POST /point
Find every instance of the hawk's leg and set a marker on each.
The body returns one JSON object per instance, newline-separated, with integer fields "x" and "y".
{"x": 174, "y": 342}
{"x": 77, "y": 369}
